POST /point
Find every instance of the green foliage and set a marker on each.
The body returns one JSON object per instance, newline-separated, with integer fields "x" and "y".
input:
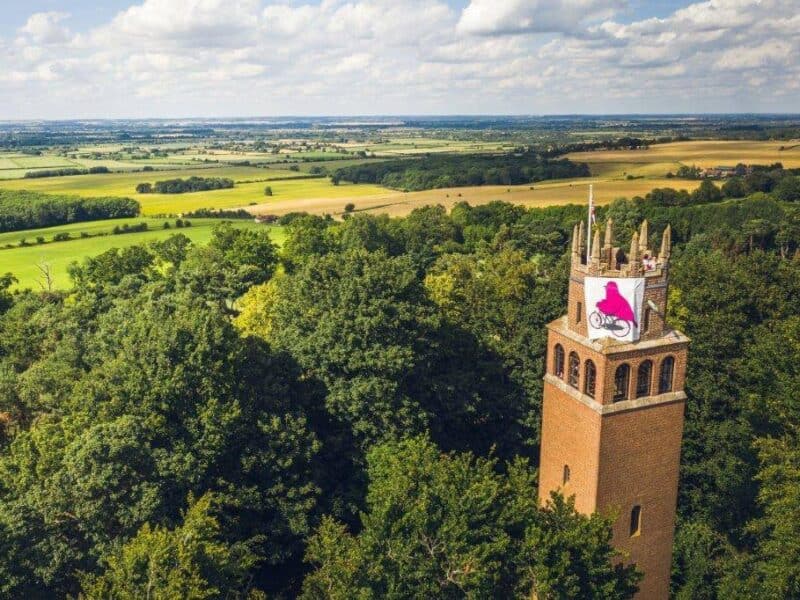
{"x": 707, "y": 192}
{"x": 158, "y": 399}
{"x": 788, "y": 189}
{"x": 450, "y": 526}
{"x": 233, "y": 261}
{"x": 455, "y": 170}
{"x": 188, "y": 185}
{"x": 29, "y": 210}
{"x": 190, "y": 561}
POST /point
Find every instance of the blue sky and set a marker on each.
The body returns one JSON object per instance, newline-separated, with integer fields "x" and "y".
{"x": 173, "y": 58}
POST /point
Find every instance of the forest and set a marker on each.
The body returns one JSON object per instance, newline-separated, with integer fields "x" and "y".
{"x": 356, "y": 414}
{"x": 29, "y": 210}
{"x": 458, "y": 170}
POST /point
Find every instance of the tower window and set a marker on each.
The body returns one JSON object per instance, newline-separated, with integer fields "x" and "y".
{"x": 574, "y": 369}
{"x": 558, "y": 360}
{"x": 643, "y": 376}
{"x": 666, "y": 375}
{"x": 566, "y": 474}
{"x": 579, "y": 312}
{"x": 646, "y": 320}
{"x": 589, "y": 379}
{"x": 636, "y": 520}
{"x": 622, "y": 378}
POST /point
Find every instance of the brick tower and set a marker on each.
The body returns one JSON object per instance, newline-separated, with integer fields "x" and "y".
{"x": 613, "y": 399}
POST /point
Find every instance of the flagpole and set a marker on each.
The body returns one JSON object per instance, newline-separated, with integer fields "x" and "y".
{"x": 589, "y": 226}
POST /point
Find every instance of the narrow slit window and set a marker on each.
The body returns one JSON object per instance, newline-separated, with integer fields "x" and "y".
{"x": 579, "y": 313}
{"x": 566, "y": 474}
{"x": 636, "y": 520}
{"x": 646, "y": 321}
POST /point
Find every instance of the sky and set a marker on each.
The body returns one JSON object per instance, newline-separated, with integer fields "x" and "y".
{"x": 78, "y": 59}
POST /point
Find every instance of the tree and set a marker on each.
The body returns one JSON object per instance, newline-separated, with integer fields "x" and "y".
{"x": 172, "y": 250}
{"x": 234, "y": 260}
{"x": 788, "y": 189}
{"x": 190, "y": 561}
{"x": 169, "y": 401}
{"x": 572, "y": 556}
{"x": 504, "y": 300}
{"x": 450, "y": 526}
{"x": 706, "y": 192}
{"x": 734, "y": 187}
{"x": 268, "y": 191}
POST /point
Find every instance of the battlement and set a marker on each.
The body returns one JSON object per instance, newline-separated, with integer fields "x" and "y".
{"x": 607, "y": 260}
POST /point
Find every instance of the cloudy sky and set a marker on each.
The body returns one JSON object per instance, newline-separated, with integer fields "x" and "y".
{"x": 219, "y": 58}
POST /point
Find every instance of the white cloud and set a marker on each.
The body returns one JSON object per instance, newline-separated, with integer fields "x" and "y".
{"x": 216, "y": 57}
{"x": 46, "y": 28}
{"x": 538, "y": 16}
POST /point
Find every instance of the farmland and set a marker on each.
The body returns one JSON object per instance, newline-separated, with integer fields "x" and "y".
{"x": 24, "y": 261}
{"x": 249, "y": 188}
{"x": 660, "y": 159}
{"x": 288, "y": 172}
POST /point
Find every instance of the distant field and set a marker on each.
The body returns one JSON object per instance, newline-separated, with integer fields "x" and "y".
{"x": 124, "y": 184}
{"x": 659, "y": 159}
{"x": 23, "y": 261}
{"x": 547, "y": 193}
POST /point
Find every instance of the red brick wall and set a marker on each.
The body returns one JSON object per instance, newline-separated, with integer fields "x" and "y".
{"x": 639, "y": 459}
{"x": 570, "y": 436}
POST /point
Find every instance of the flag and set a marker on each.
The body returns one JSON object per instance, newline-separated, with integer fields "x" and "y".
{"x": 589, "y": 224}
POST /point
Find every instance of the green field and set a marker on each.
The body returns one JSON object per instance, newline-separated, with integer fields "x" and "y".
{"x": 23, "y": 261}
{"x": 242, "y": 195}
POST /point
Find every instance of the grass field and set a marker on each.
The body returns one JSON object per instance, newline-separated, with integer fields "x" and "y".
{"x": 23, "y": 261}
{"x": 659, "y": 159}
{"x": 242, "y": 195}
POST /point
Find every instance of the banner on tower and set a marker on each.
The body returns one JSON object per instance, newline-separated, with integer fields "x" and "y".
{"x": 614, "y": 307}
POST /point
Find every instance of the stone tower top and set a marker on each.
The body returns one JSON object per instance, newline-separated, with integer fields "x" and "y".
{"x": 603, "y": 262}
{"x": 607, "y": 260}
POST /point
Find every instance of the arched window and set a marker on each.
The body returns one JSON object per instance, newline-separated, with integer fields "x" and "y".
{"x": 643, "y": 376}
{"x": 558, "y": 360}
{"x": 636, "y": 520}
{"x": 574, "y": 369}
{"x": 666, "y": 375}
{"x": 589, "y": 378}
{"x": 622, "y": 378}
{"x": 646, "y": 320}
{"x": 566, "y": 474}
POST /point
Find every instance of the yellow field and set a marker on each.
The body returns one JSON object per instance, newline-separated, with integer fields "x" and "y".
{"x": 550, "y": 193}
{"x": 659, "y": 159}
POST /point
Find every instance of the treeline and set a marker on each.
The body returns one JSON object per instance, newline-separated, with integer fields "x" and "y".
{"x": 621, "y": 143}
{"x": 457, "y": 170}
{"x": 183, "y": 186}
{"x": 64, "y": 172}
{"x": 30, "y": 210}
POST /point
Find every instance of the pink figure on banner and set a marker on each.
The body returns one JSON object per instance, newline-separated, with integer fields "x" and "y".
{"x": 614, "y": 312}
